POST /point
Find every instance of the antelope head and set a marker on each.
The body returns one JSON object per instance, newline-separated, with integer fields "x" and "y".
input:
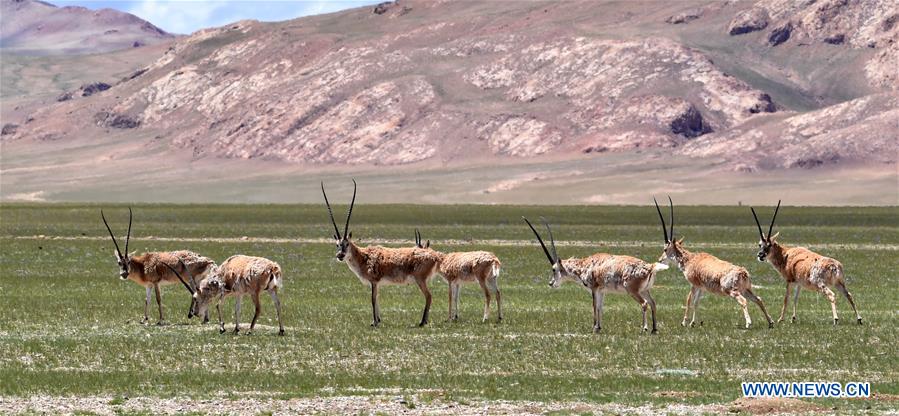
{"x": 207, "y": 290}
{"x": 343, "y": 241}
{"x": 418, "y": 241}
{"x": 559, "y": 271}
{"x": 672, "y": 251}
{"x": 766, "y": 241}
{"x": 124, "y": 260}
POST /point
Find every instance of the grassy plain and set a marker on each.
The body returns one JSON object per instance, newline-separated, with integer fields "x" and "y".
{"x": 69, "y": 326}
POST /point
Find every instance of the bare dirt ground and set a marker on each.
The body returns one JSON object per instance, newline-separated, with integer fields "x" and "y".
{"x": 407, "y": 405}
{"x": 390, "y": 404}
{"x": 90, "y": 171}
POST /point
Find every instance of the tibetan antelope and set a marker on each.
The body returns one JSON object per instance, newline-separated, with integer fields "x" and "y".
{"x": 237, "y": 276}
{"x": 602, "y": 273}
{"x": 804, "y": 268}
{"x": 376, "y": 266}
{"x": 708, "y": 273}
{"x": 149, "y": 269}
{"x": 468, "y": 266}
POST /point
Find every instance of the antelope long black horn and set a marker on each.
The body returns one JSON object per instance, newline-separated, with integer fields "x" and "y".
{"x": 671, "y": 208}
{"x": 128, "y": 236}
{"x": 545, "y": 251}
{"x": 112, "y": 235}
{"x": 662, "y": 219}
{"x": 349, "y": 213}
{"x": 183, "y": 282}
{"x": 771, "y": 227}
{"x": 330, "y": 213}
{"x": 757, "y": 224}
{"x": 552, "y": 241}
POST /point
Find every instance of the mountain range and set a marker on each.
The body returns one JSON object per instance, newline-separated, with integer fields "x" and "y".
{"x": 544, "y": 93}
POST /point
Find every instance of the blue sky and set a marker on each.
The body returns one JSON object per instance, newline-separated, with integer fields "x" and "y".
{"x": 186, "y": 16}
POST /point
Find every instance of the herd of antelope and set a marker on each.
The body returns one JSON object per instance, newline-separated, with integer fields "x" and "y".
{"x": 376, "y": 266}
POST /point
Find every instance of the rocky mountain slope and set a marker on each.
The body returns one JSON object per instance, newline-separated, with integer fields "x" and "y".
{"x": 37, "y": 27}
{"x": 737, "y": 86}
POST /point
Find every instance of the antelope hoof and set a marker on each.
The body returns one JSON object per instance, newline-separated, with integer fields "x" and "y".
{"x": 793, "y": 320}
{"x": 144, "y": 321}
{"x": 205, "y": 321}
{"x": 596, "y": 329}
{"x": 654, "y": 331}
{"x": 236, "y": 331}
{"x": 422, "y": 323}
{"x": 860, "y": 321}
{"x": 222, "y": 330}
{"x": 374, "y": 324}
{"x": 693, "y": 324}
{"x": 770, "y": 325}
{"x": 748, "y": 325}
{"x": 160, "y": 323}
{"x": 683, "y": 323}
{"x": 781, "y": 319}
{"x": 836, "y": 321}
{"x": 281, "y": 333}
{"x": 645, "y": 329}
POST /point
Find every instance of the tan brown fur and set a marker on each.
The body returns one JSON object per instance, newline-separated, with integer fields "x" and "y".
{"x": 707, "y": 273}
{"x": 803, "y": 268}
{"x": 238, "y": 276}
{"x": 602, "y": 273}
{"x": 153, "y": 269}
{"x": 377, "y": 266}
{"x": 472, "y": 266}
{"x": 806, "y": 269}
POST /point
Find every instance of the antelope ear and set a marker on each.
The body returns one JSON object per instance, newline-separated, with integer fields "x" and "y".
{"x": 428, "y": 244}
{"x": 335, "y": 236}
{"x": 681, "y": 240}
{"x": 774, "y": 237}
{"x": 350, "y": 235}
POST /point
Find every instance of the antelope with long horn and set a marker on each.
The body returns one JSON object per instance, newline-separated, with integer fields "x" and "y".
{"x": 238, "y": 276}
{"x": 376, "y": 266}
{"x": 469, "y": 266}
{"x": 707, "y": 273}
{"x": 153, "y": 269}
{"x": 803, "y": 268}
{"x": 602, "y": 273}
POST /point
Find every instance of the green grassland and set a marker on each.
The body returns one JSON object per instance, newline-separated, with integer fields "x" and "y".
{"x": 69, "y": 326}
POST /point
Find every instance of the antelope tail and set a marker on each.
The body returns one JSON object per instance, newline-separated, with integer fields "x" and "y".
{"x": 494, "y": 269}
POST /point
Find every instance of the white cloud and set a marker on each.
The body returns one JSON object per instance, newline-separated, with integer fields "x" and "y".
{"x": 187, "y": 16}
{"x": 178, "y": 16}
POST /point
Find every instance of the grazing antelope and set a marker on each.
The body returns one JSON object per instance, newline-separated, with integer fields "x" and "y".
{"x": 602, "y": 273}
{"x": 708, "y": 273}
{"x": 149, "y": 269}
{"x": 376, "y": 266}
{"x": 804, "y": 268}
{"x": 237, "y": 276}
{"x": 469, "y": 266}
